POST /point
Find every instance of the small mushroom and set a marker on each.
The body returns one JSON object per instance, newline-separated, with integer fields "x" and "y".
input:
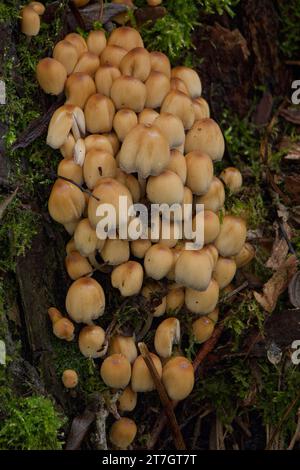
{"x": 180, "y": 105}
{"x": 232, "y": 178}
{"x": 193, "y": 269}
{"x": 112, "y": 55}
{"x": 124, "y": 345}
{"x": 63, "y": 328}
{"x": 85, "y": 300}
{"x": 214, "y": 198}
{"x": 85, "y": 238}
{"x": 245, "y": 256}
{"x": 98, "y": 164}
{"x": 158, "y": 86}
{"x": 66, "y": 202}
{"x": 224, "y": 271}
{"x": 122, "y": 433}
{"x": 201, "y": 108}
{"x": 124, "y": 121}
{"x": 190, "y": 78}
{"x": 115, "y": 252}
{"x": 79, "y": 87}
{"x": 126, "y": 37}
{"x": 70, "y": 378}
{"x": 200, "y": 172}
{"x": 232, "y": 236}
{"x": 114, "y": 141}
{"x": 131, "y": 182}
{"x": 158, "y": 261}
{"x": 206, "y": 136}
{"x": 98, "y": 142}
{"x": 128, "y": 400}
{"x": 179, "y": 85}
{"x": 177, "y": 164}
{"x": 88, "y": 63}
{"x": 67, "y": 168}
{"x": 91, "y": 341}
{"x": 172, "y": 128}
{"x": 139, "y": 248}
{"x": 64, "y": 119}
{"x": 30, "y": 21}
{"x": 78, "y": 41}
{"x": 147, "y": 116}
{"x": 211, "y": 225}
{"x": 128, "y": 278}
{"x": 160, "y": 63}
{"x": 67, "y": 149}
{"x": 51, "y": 76}
{"x": 96, "y": 42}
{"x": 99, "y": 112}
{"x": 178, "y": 378}
{"x": 202, "y": 329}
{"x": 202, "y": 302}
{"x": 130, "y": 93}
{"x": 166, "y": 335}
{"x": 136, "y": 63}
{"x": 66, "y": 53}
{"x": 116, "y": 371}
{"x": 77, "y": 265}
{"x": 38, "y": 7}
{"x": 166, "y": 188}
{"x": 141, "y": 379}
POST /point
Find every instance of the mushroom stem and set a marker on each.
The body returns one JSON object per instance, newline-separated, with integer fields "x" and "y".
{"x": 167, "y": 404}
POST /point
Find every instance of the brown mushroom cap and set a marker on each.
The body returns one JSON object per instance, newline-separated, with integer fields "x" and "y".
{"x": 131, "y": 182}
{"x": 129, "y": 92}
{"x": 179, "y": 85}
{"x": 232, "y": 178}
{"x": 115, "y": 252}
{"x": 30, "y": 21}
{"x": 172, "y": 128}
{"x": 245, "y": 256}
{"x": 87, "y": 63}
{"x": 99, "y": 112}
{"x": 203, "y": 302}
{"x": 85, "y": 300}
{"x": 139, "y": 248}
{"x": 180, "y": 105}
{"x": 98, "y": 164}
{"x": 158, "y": 261}
{"x": 224, "y": 271}
{"x": 66, "y": 202}
{"x": 122, "y": 433}
{"x": 141, "y": 380}
{"x": 70, "y": 378}
{"x": 104, "y": 78}
{"x": 128, "y": 400}
{"x": 160, "y": 63}
{"x": 78, "y": 41}
{"x": 203, "y": 329}
{"x": 85, "y": 238}
{"x": 166, "y": 335}
{"x": 200, "y": 172}
{"x": 178, "y": 377}
{"x": 232, "y": 236}
{"x": 64, "y": 119}
{"x": 158, "y": 86}
{"x": 136, "y": 63}
{"x": 68, "y": 169}
{"x": 114, "y": 141}
{"x": 193, "y": 269}
{"x": 112, "y": 55}
{"x": 214, "y": 198}
{"x": 166, "y": 188}
{"x": 116, "y": 371}
{"x": 66, "y": 53}
{"x": 77, "y": 265}
{"x": 147, "y": 116}
{"x": 98, "y": 142}
{"x": 79, "y": 87}
{"x": 96, "y": 42}
{"x": 124, "y": 121}
{"x": 124, "y": 345}
{"x": 206, "y": 136}
{"x": 126, "y": 37}
{"x": 177, "y": 164}
{"x": 91, "y": 340}
{"x": 67, "y": 149}
{"x": 201, "y": 108}
{"x": 128, "y": 278}
{"x": 38, "y": 7}
{"x": 190, "y": 78}
{"x": 51, "y": 76}
{"x": 62, "y": 327}
{"x": 211, "y": 226}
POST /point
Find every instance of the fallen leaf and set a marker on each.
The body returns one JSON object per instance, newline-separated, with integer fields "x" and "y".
{"x": 291, "y": 115}
{"x": 294, "y": 290}
{"x": 292, "y": 186}
{"x": 6, "y": 202}
{"x": 277, "y": 284}
{"x": 79, "y": 428}
{"x": 263, "y": 111}
{"x": 280, "y": 247}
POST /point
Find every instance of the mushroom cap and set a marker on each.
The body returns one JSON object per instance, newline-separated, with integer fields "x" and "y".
{"x": 91, "y": 340}
{"x": 30, "y": 21}
{"x": 62, "y": 327}
{"x": 177, "y": 250}
{"x": 232, "y": 236}
{"x": 158, "y": 86}
{"x": 112, "y": 55}
{"x": 114, "y": 141}
{"x": 126, "y": 37}
{"x": 190, "y": 78}
{"x": 179, "y": 85}
{"x": 115, "y": 252}
{"x": 141, "y": 380}
{"x": 60, "y": 125}
{"x": 178, "y": 377}
{"x": 70, "y": 378}
{"x": 177, "y": 164}
{"x": 136, "y": 63}
{"x": 145, "y": 150}
{"x": 85, "y": 238}
{"x": 211, "y": 225}
{"x": 78, "y": 41}
{"x": 180, "y": 105}
{"x": 214, "y": 198}
{"x": 71, "y": 226}
{"x": 51, "y": 76}
{"x": 139, "y": 248}
{"x": 131, "y": 182}
{"x": 166, "y": 188}
{"x": 122, "y": 433}
{"x": 79, "y": 87}
{"x": 158, "y": 261}
{"x": 212, "y": 252}
{"x": 245, "y": 256}
{"x": 67, "y": 149}
{"x": 172, "y": 128}
{"x": 201, "y": 108}
{"x": 69, "y": 169}
{"x": 202, "y": 329}
{"x": 77, "y": 266}
{"x": 147, "y": 116}
{"x": 175, "y": 299}
{"x": 116, "y": 371}
{"x": 224, "y": 271}
{"x": 85, "y": 300}
{"x": 206, "y": 136}
{"x": 160, "y": 63}
{"x": 70, "y": 246}
{"x": 193, "y": 269}
{"x": 98, "y": 164}
{"x": 166, "y": 335}
{"x": 124, "y": 345}
{"x": 170, "y": 233}
{"x": 96, "y": 42}
{"x": 66, "y": 202}
{"x": 66, "y": 53}
{"x": 87, "y": 63}
{"x": 38, "y": 7}
{"x": 105, "y": 77}
{"x": 98, "y": 142}
{"x": 128, "y": 400}
{"x": 149, "y": 291}
{"x": 124, "y": 121}
{"x": 99, "y": 112}
{"x": 129, "y": 92}
{"x": 128, "y": 278}
{"x": 214, "y": 315}
{"x": 203, "y": 302}
{"x": 232, "y": 178}
{"x": 200, "y": 172}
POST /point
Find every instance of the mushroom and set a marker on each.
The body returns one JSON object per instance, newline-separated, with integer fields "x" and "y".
{"x": 98, "y": 164}
{"x": 160, "y": 63}
{"x": 114, "y": 141}
{"x": 141, "y": 380}
{"x": 166, "y": 188}
{"x": 85, "y": 300}
{"x": 128, "y": 278}
{"x": 201, "y": 108}
{"x": 139, "y": 248}
{"x": 126, "y": 37}
{"x": 67, "y": 168}
{"x": 70, "y": 246}
{"x": 79, "y": 152}
{"x": 175, "y": 298}
{"x": 98, "y": 142}
{"x": 232, "y": 178}
{"x": 124, "y": 345}
{"x": 66, "y": 202}
{"x": 211, "y": 224}
{"x": 62, "y": 327}
{"x": 51, "y": 76}
{"x": 206, "y": 136}
{"x": 178, "y": 378}
{"x": 232, "y": 236}
{"x": 136, "y": 63}
{"x": 147, "y": 116}
{"x": 179, "y": 85}
{"x": 170, "y": 232}
{"x": 67, "y": 149}
{"x": 96, "y": 42}
{"x": 115, "y": 252}
{"x": 88, "y": 63}
{"x": 212, "y": 252}
{"x": 124, "y": 121}
{"x": 64, "y": 119}
{"x": 245, "y": 256}
{"x": 158, "y": 86}
{"x": 99, "y": 112}
{"x": 66, "y": 53}
{"x": 123, "y": 17}
{"x": 128, "y": 400}
{"x": 112, "y": 55}
{"x": 203, "y": 302}
{"x": 177, "y": 164}
{"x": 30, "y": 21}
{"x": 158, "y": 261}
{"x": 85, "y": 238}
{"x": 193, "y": 269}
{"x": 180, "y": 105}
{"x": 224, "y": 271}
{"x": 91, "y": 341}
{"x": 80, "y": 3}
{"x": 166, "y": 335}
{"x": 78, "y": 42}
{"x": 200, "y": 172}
{"x": 70, "y": 378}
{"x": 149, "y": 292}
{"x": 71, "y": 226}
{"x": 131, "y": 183}
{"x": 190, "y": 78}
{"x": 214, "y": 198}
{"x": 202, "y": 329}
{"x": 129, "y": 92}
{"x": 116, "y": 371}
{"x": 77, "y": 265}
{"x": 79, "y": 87}
{"x": 38, "y": 7}
{"x": 177, "y": 250}
{"x": 122, "y": 433}
{"x": 145, "y": 150}
{"x": 172, "y": 128}
{"x": 214, "y": 315}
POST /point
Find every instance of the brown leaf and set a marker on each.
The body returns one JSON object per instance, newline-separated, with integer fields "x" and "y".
{"x": 280, "y": 247}
{"x": 294, "y": 290}
{"x": 292, "y": 186}
{"x": 277, "y": 284}
{"x": 263, "y": 111}
{"x": 291, "y": 115}
{"x": 79, "y": 428}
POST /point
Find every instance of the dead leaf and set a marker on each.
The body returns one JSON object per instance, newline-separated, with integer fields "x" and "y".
{"x": 6, "y": 202}
{"x": 79, "y": 428}
{"x": 294, "y": 290}
{"x": 280, "y": 247}
{"x": 291, "y": 115}
{"x": 263, "y": 111}
{"x": 292, "y": 186}
{"x": 277, "y": 284}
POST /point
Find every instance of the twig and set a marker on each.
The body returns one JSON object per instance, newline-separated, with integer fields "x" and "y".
{"x": 285, "y": 236}
{"x": 167, "y": 404}
{"x": 296, "y": 435}
{"x": 78, "y": 186}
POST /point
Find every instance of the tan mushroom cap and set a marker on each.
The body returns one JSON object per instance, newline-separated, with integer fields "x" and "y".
{"x": 200, "y": 172}
{"x": 99, "y": 112}
{"x": 124, "y": 345}
{"x": 66, "y": 202}
{"x": 141, "y": 379}
{"x": 214, "y": 315}
{"x": 178, "y": 378}
{"x": 232, "y": 178}
{"x": 206, "y": 136}
{"x": 167, "y": 334}
{"x": 224, "y": 271}
{"x": 30, "y": 21}
{"x": 136, "y": 63}
{"x": 166, "y": 188}
{"x": 105, "y": 77}
{"x": 122, "y": 433}
{"x": 211, "y": 225}
{"x": 170, "y": 233}
{"x": 66, "y": 53}
{"x": 149, "y": 292}
{"x": 158, "y": 86}
{"x": 124, "y": 121}
{"x": 172, "y": 128}
{"x": 175, "y": 299}
{"x": 139, "y": 248}
{"x": 177, "y": 250}
{"x": 201, "y": 108}
{"x": 245, "y": 256}
{"x": 203, "y": 302}
{"x": 91, "y": 340}
{"x": 77, "y": 265}
{"x": 147, "y": 116}
{"x": 96, "y": 42}
{"x": 115, "y": 252}
{"x": 38, "y": 7}
{"x": 70, "y": 378}
{"x": 98, "y": 164}
{"x": 64, "y": 119}
{"x": 51, "y": 76}
{"x": 88, "y": 63}
{"x": 158, "y": 261}
{"x": 70, "y": 246}
{"x": 112, "y": 55}
{"x": 128, "y": 278}
{"x": 160, "y": 63}
{"x": 98, "y": 142}
{"x": 79, "y": 87}
{"x": 78, "y": 42}
{"x": 67, "y": 149}
{"x": 232, "y": 236}
{"x": 214, "y": 198}
{"x": 71, "y": 226}
{"x": 129, "y": 92}
{"x": 113, "y": 139}
{"x": 131, "y": 182}
{"x": 62, "y": 327}
{"x": 85, "y": 238}
{"x": 116, "y": 371}
{"x": 202, "y": 329}
{"x": 190, "y": 78}
{"x": 85, "y": 300}
{"x": 193, "y": 269}
{"x": 179, "y": 85}
{"x": 177, "y": 164}
{"x": 68, "y": 169}
{"x": 128, "y": 400}
{"x": 180, "y": 105}
{"x": 126, "y": 37}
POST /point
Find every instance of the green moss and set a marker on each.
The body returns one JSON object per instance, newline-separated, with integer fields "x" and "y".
{"x": 289, "y": 13}
{"x": 249, "y": 207}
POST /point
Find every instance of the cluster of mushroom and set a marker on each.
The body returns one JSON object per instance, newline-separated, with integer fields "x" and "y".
{"x": 133, "y": 127}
